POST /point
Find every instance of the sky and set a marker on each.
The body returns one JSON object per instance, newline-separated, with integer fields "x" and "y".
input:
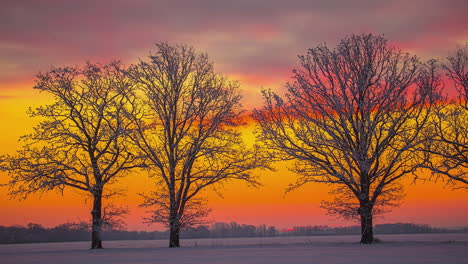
{"x": 255, "y": 42}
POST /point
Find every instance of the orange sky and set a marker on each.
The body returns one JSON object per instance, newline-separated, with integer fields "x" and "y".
{"x": 256, "y": 42}
{"x": 425, "y": 202}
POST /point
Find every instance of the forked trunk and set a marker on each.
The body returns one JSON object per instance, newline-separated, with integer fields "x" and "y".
{"x": 96, "y": 240}
{"x": 367, "y": 232}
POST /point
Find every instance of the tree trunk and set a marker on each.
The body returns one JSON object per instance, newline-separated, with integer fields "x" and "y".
{"x": 174, "y": 232}
{"x": 367, "y": 232}
{"x": 96, "y": 240}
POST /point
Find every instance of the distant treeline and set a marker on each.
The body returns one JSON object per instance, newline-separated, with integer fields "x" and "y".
{"x": 35, "y": 233}
{"x": 397, "y": 228}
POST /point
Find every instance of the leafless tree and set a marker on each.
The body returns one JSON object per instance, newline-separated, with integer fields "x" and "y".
{"x": 457, "y": 71}
{"x": 113, "y": 217}
{"x": 81, "y": 141}
{"x": 189, "y": 131}
{"x": 345, "y": 205}
{"x": 351, "y": 119}
{"x": 195, "y": 212}
{"x": 446, "y": 150}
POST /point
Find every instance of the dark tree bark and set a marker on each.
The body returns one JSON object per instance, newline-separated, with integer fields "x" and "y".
{"x": 96, "y": 213}
{"x": 367, "y": 228}
{"x": 174, "y": 232}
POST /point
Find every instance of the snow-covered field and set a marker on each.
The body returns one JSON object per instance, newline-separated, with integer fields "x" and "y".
{"x": 422, "y": 248}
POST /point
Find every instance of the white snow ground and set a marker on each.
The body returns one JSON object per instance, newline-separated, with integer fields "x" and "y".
{"x": 422, "y": 248}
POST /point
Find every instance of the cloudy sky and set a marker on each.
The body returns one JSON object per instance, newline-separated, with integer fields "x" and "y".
{"x": 254, "y": 41}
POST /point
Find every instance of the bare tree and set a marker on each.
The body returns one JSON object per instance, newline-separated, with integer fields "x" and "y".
{"x": 81, "y": 141}
{"x": 446, "y": 150}
{"x": 113, "y": 217}
{"x": 457, "y": 71}
{"x": 189, "y": 132}
{"x": 195, "y": 212}
{"x": 350, "y": 119}
{"x": 345, "y": 205}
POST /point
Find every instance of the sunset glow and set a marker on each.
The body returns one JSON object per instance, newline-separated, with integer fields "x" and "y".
{"x": 255, "y": 42}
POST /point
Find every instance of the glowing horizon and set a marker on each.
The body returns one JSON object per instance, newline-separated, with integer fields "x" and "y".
{"x": 255, "y": 42}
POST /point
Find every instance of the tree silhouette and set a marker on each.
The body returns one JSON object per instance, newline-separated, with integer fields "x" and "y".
{"x": 195, "y": 212}
{"x": 351, "y": 119}
{"x": 81, "y": 141}
{"x": 188, "y": 131}
{"x": 446, "y": 150}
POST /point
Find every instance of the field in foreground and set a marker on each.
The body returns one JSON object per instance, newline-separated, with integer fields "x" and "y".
{"x": 422, "y": 248}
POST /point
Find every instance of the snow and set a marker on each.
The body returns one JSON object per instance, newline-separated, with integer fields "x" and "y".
{"x": 421, "y": 248}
